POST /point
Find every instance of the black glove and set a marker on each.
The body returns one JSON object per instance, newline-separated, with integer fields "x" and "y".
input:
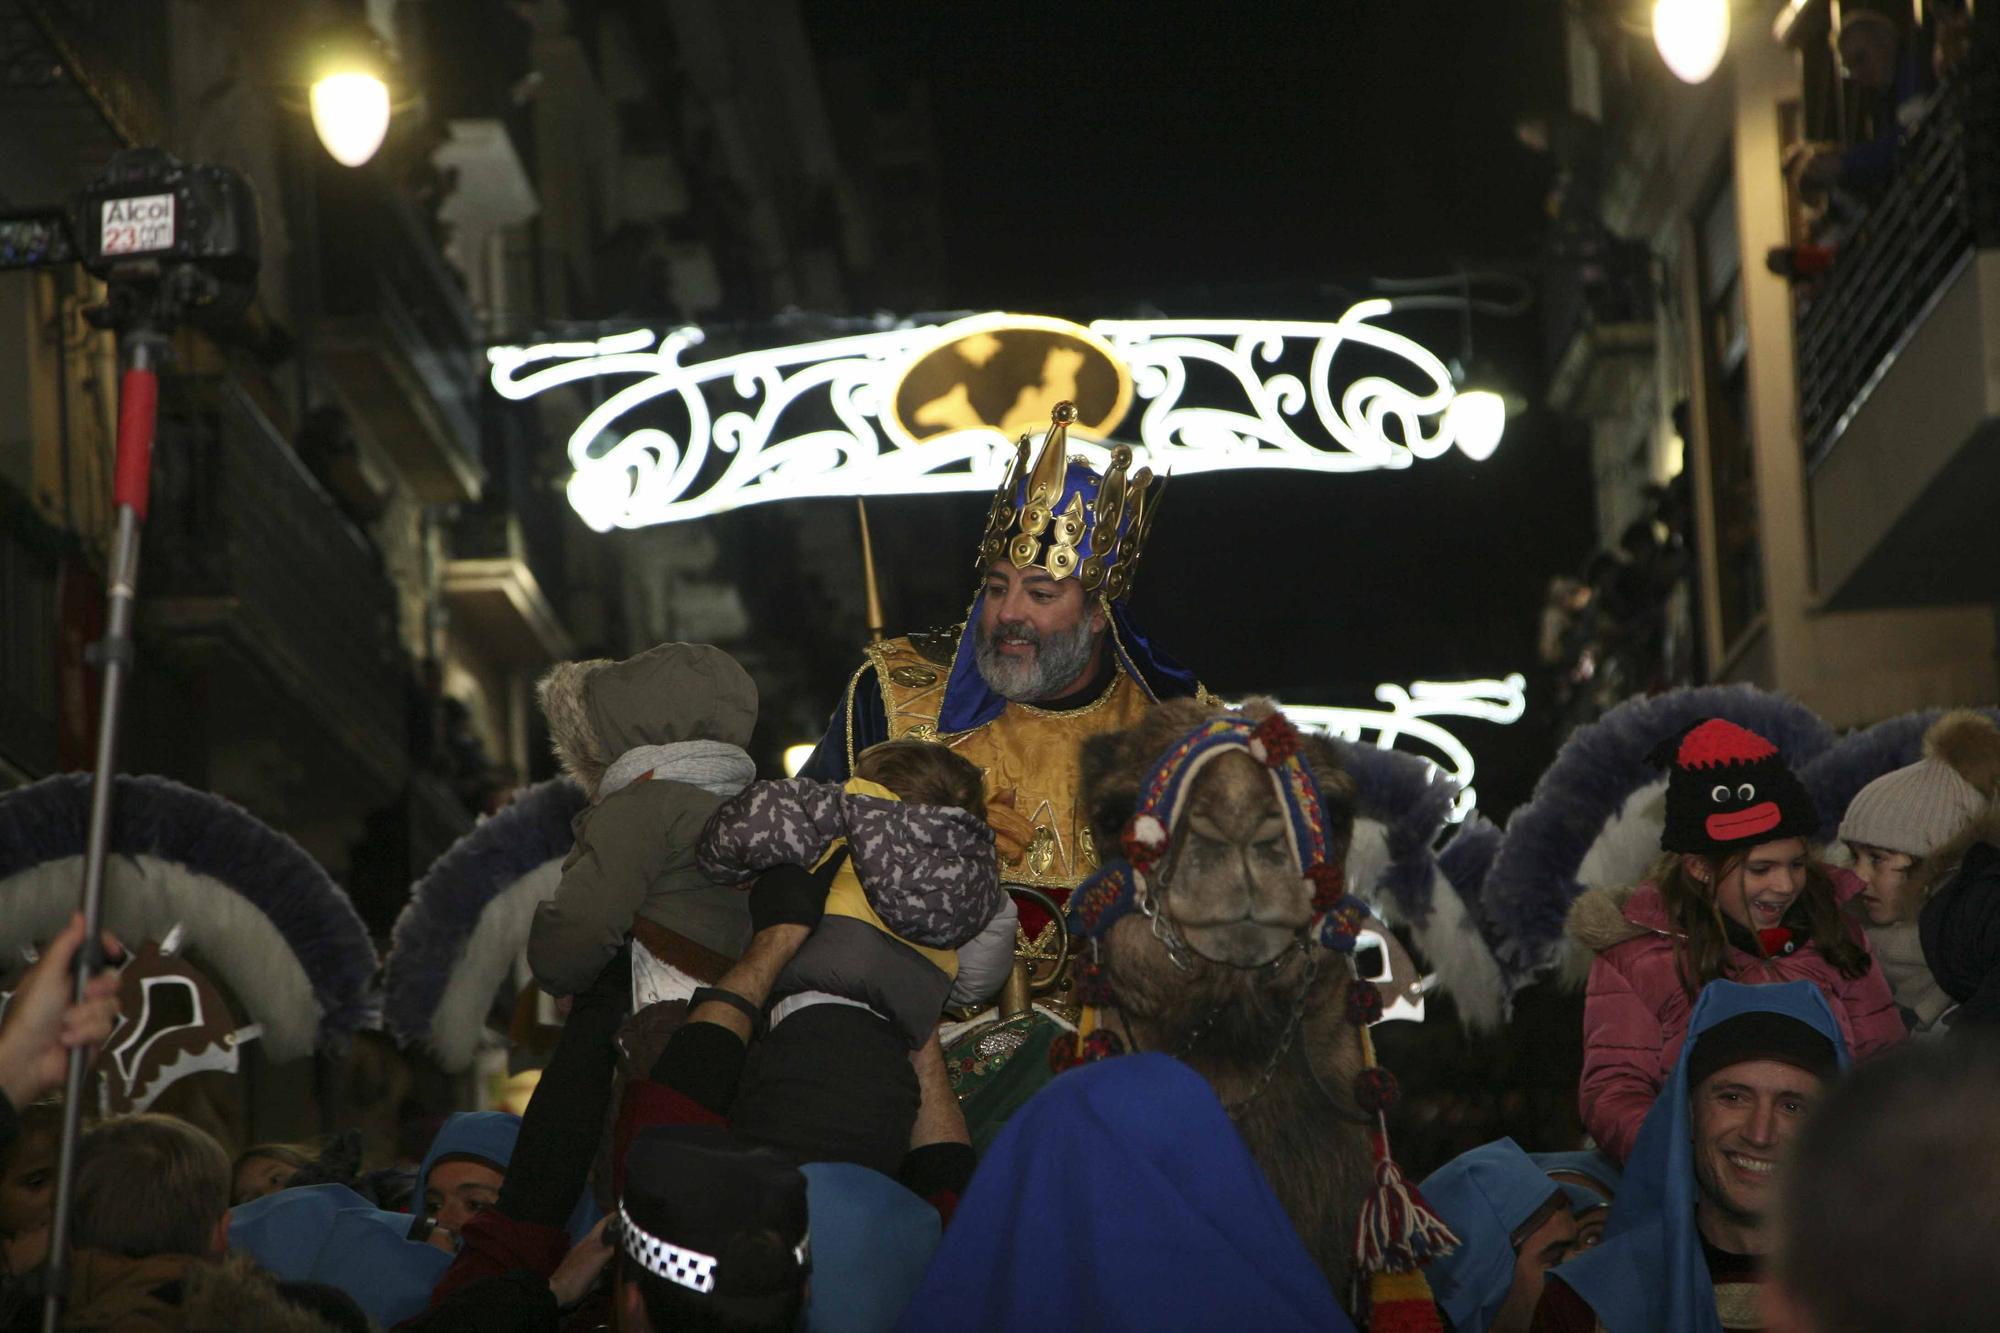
{"x": 792, "y": 895}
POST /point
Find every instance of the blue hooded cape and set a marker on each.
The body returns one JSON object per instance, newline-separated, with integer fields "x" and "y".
{"x": 1122, "y": 1198}
{"x": 491, "y": 1135}
{"x": 871, "y": 1242}
{"x": 1484, "y": 1195}
{"x": 330, "y": 1234}
{"x": 1648, "y": 1274}
{"x": 1589, "y": 1163}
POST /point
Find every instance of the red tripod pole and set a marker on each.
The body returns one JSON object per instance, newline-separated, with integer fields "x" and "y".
{"x": 138, "y": 403}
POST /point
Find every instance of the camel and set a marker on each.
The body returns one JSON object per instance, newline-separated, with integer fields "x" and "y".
{"x": 1221, "y": 975}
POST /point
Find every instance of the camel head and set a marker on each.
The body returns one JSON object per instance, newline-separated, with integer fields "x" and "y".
{"x": 1231, "y": 883}
{"x": 1220, "y": 937}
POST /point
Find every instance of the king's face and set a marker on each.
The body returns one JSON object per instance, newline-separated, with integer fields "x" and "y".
{"x": 1024, "y": 607}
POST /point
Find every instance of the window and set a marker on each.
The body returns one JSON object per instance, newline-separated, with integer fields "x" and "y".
{"x": 1732, "y": 476}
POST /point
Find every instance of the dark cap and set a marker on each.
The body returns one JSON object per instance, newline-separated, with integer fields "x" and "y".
{"x": 1761, "y": 1035}
{"x": 714, "y": 1218}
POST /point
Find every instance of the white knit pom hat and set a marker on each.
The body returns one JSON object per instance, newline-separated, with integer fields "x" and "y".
{"x": 1918, "y": 809}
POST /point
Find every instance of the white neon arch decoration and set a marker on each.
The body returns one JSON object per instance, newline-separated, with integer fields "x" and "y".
{"x": 1411, "y": 715}
{"x": 649, "y": 476}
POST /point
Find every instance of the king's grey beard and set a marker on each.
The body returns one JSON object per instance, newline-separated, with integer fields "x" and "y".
{"x": 1059, "y": 659}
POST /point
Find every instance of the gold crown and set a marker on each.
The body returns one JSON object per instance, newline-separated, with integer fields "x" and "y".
{"x": 1099, "y": 541}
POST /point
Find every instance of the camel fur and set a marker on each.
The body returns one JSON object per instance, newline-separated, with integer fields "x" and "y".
{"x": 1304, "y": 1128}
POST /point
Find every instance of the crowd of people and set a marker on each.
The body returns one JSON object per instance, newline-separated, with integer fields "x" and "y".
{"x": 1894, "y": 59}
{"x": 1623, "y": 627}
{"x": 749, "y": 1121}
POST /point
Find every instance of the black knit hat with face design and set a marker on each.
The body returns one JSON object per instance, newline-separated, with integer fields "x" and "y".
{"x": 1728, "y": 790}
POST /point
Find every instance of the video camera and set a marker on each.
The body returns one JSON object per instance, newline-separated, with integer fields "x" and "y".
{"x": 171, "y": 240}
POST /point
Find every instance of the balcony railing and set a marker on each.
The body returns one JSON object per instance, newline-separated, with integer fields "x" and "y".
{"x": 243, "y": 547}
{"x": 1943, "y": 203}
{"x": 1597, "y": 313}
{"x": 399, "y": 336}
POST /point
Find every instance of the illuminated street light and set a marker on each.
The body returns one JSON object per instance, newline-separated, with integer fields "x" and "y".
{"x": 1476, "y": 419}
{"x": 1692, "y": 36}
{"x": 347, "y": 70}
{"x": 350, "y": 113}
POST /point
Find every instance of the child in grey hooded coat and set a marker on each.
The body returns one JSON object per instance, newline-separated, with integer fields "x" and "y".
{"x": 657, "y": 744}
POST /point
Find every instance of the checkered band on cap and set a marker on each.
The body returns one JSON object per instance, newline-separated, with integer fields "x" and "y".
{"x": 684, "y": 1268}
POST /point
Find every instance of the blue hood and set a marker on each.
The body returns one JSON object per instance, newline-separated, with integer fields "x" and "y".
{"x": 1483, "y": 1195}
{"x": 871, "y": 1242}
{"x": 330, "y": 1234}
{"x": 1589, "y": 1163}
{"x": 487, "y": 1134}
{"x": 1648, "y": 1274}
{"x": 491, "y": 1135}
{"x": 1167, "y": 1220}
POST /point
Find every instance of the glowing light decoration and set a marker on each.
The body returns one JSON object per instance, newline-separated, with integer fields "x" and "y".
{"x": 852, "y": 437}
{"x": 1411, "y": 715}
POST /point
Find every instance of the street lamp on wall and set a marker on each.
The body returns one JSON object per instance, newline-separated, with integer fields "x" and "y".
{"x": 350, "y": 114}
{"x": 349, "y": 92}
{"x": 1692, "y": 36}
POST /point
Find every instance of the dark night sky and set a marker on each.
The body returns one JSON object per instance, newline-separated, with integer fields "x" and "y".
{"x": 1266, "y": 159}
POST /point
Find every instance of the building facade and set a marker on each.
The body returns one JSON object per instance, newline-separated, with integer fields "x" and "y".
{"x": 1802, "y": 378}
{"x": 359, "y": 558}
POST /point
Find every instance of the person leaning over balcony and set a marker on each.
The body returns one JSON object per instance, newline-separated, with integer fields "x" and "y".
{"x": 1893, "y": 81}
{"x": 1738, "y": 898}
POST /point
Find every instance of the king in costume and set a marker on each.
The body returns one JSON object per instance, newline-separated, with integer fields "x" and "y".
{"x": 1059, "y": 517}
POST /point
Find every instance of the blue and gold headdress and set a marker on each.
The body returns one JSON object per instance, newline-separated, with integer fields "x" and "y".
{"x": 1059, "y": 516}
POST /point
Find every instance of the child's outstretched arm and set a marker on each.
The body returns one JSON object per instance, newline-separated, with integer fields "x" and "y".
{"x": 784, "y": 822}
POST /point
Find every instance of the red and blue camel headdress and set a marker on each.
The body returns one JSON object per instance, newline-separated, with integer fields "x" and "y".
{"x": 1124, "y": 886}
{"x": 1398, "y": 1232}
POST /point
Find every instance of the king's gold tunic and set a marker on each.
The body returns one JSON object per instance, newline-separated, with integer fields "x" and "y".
{"x": 1030, "y": 757}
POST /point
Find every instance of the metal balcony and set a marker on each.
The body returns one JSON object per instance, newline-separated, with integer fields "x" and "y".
{"x": 1598, "y": 321}
{"x": 398, "y": 336}
{"x": 1899, "y": 373}
{"x": 264, "y": 597}
{"x": 496, "y": 600}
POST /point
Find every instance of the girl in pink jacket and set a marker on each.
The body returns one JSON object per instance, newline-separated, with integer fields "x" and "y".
{"x": 1738, "y": 898}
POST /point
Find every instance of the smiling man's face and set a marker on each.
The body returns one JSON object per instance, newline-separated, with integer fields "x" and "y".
{"x": 1745, "y": 1115}
{"x": 1038, "y": 637}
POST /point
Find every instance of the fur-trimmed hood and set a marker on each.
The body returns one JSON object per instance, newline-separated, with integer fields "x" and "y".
{"x": 599, "y": 709}
{"x": 1602, "y": 919}
{"x": 181, "y": 1294}
{"x": 1930, "y": 873}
